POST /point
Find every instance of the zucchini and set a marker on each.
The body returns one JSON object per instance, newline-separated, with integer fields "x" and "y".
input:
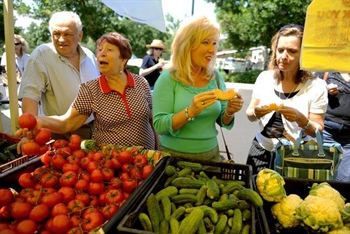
{"x": 174, "y": 225}
{"x": 251, "y": 196}
{"x": 221, "y": 224}
{"x": 237, "y": 222}
{"x": 184, "y": 172}
{"x": 184, "y": 182}
{"x": 188, "y": 191}
{"x": 164, "y": 227}
{"x": 145, "y": 222}
{"x": 170, "y": 170}
{"x": 154, "y": 211}
{"x": 196, "y": 167}
{"x": 184, "y": 198}
{"x": 168, "y": 191}
{"x": 178, "y": 213}
{"x": 201, "y": 195}
{"x": 166, "y": 205}
{"x": 225, "y": 205}
{"x": 213, "y": 190}
{"x": 190, "y": 224}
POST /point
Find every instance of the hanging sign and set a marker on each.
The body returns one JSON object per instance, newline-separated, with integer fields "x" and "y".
{"x": 326, "y": 40}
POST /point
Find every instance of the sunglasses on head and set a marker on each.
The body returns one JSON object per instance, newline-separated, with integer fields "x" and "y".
{"x": 297, "y": 26}
{"x": 158, "y": 49}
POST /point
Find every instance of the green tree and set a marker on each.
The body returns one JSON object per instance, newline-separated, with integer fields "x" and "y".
{"x": 250, "y": 23}
{"x": 97, "y": 19}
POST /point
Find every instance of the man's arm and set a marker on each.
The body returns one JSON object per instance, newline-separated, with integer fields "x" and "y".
{"x": 30, "y": 106}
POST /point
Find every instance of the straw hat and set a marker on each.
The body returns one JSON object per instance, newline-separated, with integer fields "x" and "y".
{"x": 156, "y": 44}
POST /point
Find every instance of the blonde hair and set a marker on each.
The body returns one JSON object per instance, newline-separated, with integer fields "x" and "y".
{"x": 24, "y": 43}
{"x": 188, "y": 37}
{"x": 285, "y": 32}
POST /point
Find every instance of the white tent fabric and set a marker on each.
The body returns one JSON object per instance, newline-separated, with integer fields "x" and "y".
{"x": 148, "y": 12}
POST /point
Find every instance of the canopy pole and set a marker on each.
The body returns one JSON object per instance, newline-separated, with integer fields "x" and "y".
{"x": 11, "y": 63}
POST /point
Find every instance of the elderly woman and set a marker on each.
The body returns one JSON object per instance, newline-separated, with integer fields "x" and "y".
{"x": 121, "y": 102}
{"x": 301, "y": 97}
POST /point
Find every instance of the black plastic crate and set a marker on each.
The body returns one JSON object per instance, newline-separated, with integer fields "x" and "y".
{"x": 135, "y": 198}
{"x": 300, "y": 187}
{"x": 9, "y": 179}
{"x": 225, "y": 171}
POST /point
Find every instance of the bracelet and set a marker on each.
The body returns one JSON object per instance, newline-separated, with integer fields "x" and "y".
{"x": 228, "y": 114}
{"x": 307, "y": 126}
{"x": 187, "y": 116}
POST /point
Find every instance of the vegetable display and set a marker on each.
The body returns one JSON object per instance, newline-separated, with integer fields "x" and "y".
{"x": 75, "y": 190}
{"x": 194, "y": 201}
{"x": 322, "y": 210}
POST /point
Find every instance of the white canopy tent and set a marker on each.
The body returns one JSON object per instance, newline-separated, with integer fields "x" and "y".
{"x": 132, "y": 9}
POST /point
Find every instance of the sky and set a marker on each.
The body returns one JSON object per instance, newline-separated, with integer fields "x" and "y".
{"x": 179, "y": 9}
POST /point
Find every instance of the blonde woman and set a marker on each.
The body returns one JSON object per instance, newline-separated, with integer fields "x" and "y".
{"x": 21, "y": 54}
{"x": 185, "y": 106}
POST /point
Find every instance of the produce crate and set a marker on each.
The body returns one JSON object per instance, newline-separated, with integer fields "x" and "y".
{"x": 225, "y": 171}
{"x": 9, "y": 178}
{"x": 300, "y": 187}
{"x": 10, "y": 165}
{"x": 135, "y": 198}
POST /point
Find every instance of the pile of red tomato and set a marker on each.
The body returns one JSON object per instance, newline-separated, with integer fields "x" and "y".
{"x": 75, "y": 191}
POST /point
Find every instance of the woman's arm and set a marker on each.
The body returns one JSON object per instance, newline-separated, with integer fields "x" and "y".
{"x": 70, "y": 121}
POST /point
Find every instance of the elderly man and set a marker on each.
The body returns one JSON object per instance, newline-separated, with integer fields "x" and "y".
{"x": 55, "y": 71}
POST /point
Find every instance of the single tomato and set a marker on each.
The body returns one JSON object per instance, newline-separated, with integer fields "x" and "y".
{"x": 39, "y": 213}
{"x": 59, "y": 208}
{"x": 42, "y": 136}
{"x": 68, "y": 194}
{"x": 129, "y": 185}
{"x": 125, "y": 157}
{"x": 61, "y": 224}
{"x": 146, "y": 171}
{"x": 60, "y": 143}
{"x": 27, "y": 120}
{"x": 82, "y": 185}
{"x": 114, "y": 196}
{"x": 96, "y": 176}
{"x": 26, "y": 180}
{"x": 94, "y": 220}
{"x": 20, "y": 210}
{"x": 26, "y": 226}
{"x": 96, "y": 188}
{"x": 109, "y": 210}
{"x": 6, "y": 196}
{"x": 30, "y": 148}
{"x": 48, "y": 180}
{"x": 68, "y": 178}
{"x": 140, "y": 161}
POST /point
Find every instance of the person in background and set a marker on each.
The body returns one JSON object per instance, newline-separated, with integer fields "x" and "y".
{"x": 337, "y": 119}
{"x": 186, "y": 108}
{"x": 120, "y": 101}
{"x": 152, "y": 63}
{"x": 21, "y": 54}
{"x": 301, "y": 98}
{"x": 55, "y": 71}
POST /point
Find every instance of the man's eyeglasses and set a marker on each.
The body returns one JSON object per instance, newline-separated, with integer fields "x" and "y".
{"x": 158, "y": 49}
{"x": 18, "y": 43}
{"x": 297, "y": 26}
